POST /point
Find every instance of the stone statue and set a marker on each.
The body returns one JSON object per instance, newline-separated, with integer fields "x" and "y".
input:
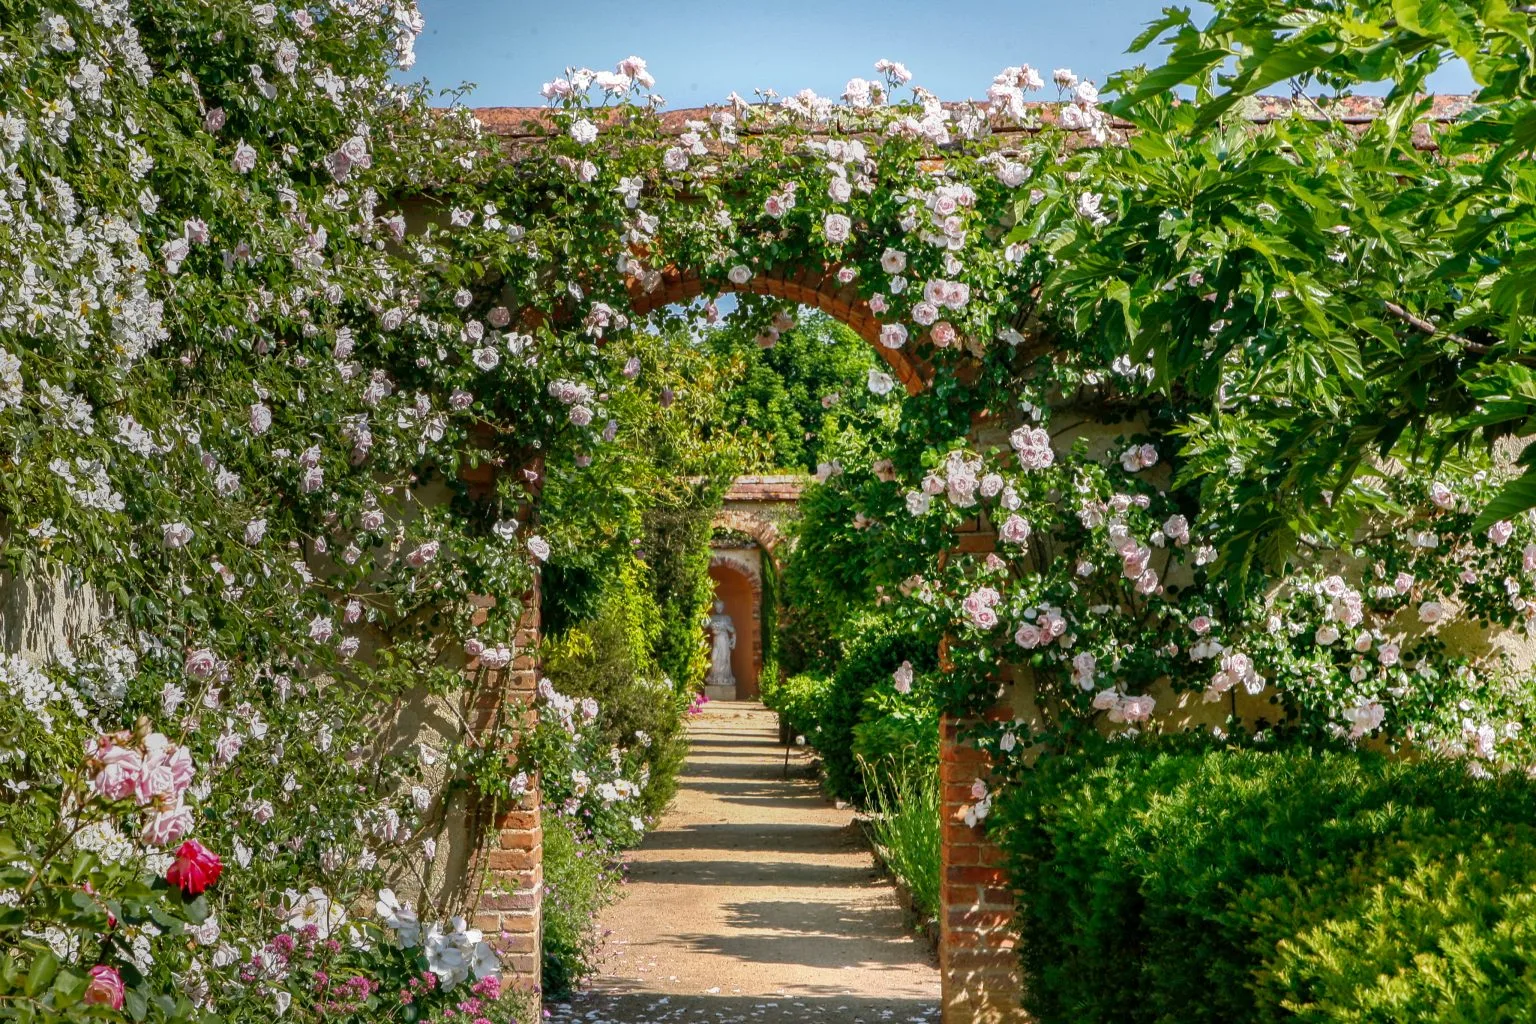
{"x": 722, "y": 631}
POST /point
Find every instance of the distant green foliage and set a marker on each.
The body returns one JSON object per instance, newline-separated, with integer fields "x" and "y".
{"x": 807, "y": 398}
{"x": 772, "y": 610}
{"x": 1212, "y": 886}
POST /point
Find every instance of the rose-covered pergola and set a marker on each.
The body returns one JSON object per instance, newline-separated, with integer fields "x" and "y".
{"x": 285, "y": 367}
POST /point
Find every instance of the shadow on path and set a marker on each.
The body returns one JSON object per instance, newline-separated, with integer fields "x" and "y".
{"x": 755, "y": 901}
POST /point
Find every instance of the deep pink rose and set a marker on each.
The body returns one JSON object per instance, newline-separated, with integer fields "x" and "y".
{"x": 195, "y": 869}
{"x": 105, "y": 988}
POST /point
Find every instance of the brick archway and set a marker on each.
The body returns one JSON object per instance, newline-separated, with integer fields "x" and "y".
{"x": 978, "y": 964}
{"x": 817, "y": 287}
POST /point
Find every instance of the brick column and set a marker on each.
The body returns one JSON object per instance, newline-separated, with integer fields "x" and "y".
{"x": 979, "y": 969}
{"x": 508, "y": 867}
{"x": 978, "y": 958}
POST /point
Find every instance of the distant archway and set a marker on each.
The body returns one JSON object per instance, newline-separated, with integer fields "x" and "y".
{"x": 738, "y": 578}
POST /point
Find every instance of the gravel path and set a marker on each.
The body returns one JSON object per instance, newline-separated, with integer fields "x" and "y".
{"x": 754, "y": 902}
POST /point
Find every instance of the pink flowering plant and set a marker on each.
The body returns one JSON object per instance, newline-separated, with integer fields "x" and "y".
{"x": 284, "y": 365}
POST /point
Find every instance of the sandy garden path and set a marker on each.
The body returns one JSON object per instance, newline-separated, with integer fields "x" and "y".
{"x": 754, "y": 902}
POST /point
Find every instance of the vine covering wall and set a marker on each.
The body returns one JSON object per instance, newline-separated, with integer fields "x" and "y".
{"x": 231, "y": 369}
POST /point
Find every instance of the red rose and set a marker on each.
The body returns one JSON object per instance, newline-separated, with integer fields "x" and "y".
{"x": 105, "y": 988}
{"x": 196, "y": 868}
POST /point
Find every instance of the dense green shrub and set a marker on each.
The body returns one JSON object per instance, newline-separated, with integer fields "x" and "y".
{"x": 610, "y": 658}
{"x": 875, "y": 643}
{"x": 798, "y": 700}
{"x": 1225, "y": 886}
{"x": 898, "y": 732}
{"x": 580, "y": 879}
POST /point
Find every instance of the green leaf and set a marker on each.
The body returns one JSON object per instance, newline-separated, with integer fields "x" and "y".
{"x": 1517, "y": 496}
{"x": 44, "y": 966}
{"x": 197, "y": 910}
{"x": 69, "y": 986}
{"x": 1182, "y": 68}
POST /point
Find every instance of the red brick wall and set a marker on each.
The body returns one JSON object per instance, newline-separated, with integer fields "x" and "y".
{"x": 509, "y": 865}
{"x": 978, "y": 962}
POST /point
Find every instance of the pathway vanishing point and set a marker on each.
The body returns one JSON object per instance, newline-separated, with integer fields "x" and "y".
{"x": 755, "y": 902}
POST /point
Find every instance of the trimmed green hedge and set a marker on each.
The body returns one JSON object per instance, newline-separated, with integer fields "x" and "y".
{"x": 1220, "y": 886}
{"x": 798, "y": 700}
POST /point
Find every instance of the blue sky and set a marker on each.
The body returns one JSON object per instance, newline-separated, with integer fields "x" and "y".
{"x": 701, "y": 51}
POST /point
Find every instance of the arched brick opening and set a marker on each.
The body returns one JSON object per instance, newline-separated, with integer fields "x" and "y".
{"x": 740, "y": 585}
{"x": 766, "y": 534}
{"x": 979, "y": 969}
{"x": 809, "y": 286}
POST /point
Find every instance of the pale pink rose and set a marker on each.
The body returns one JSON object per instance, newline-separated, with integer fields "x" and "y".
{"x": 245, "y": 157}
{"x": 893, "y": 335}
{"x": 423, "y": 554}
{"x": 925, "y": 313}
{"x": 168, "y": 827}
{"x": 1431, "y": 612}
{"x": 1500, "y": 532}
{"x": 1389, "y": 654}
{"x": 121, "y": 766}
{"x": 902, "y": 677}
{"x": 980, "y": 607}
{"x": 837, "y": 228}
{"x": 201, "y": 664}
{"x": 943, "y": 334}
{"x": 1403, "y": 582}
{"x": 1442, "y": 496}
{"x": 1027, "y": 636}
{"x": 1015, "y": 530}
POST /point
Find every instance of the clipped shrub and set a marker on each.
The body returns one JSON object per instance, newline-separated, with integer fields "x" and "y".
{"x": 1224, "y": 885}
{"x": 798, "y": 700}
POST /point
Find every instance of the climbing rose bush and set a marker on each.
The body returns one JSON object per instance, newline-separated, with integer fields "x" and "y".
{"x": 282, "y": 350}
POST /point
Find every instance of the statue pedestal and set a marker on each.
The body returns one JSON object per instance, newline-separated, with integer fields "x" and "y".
{"x": 714, "y": 692}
